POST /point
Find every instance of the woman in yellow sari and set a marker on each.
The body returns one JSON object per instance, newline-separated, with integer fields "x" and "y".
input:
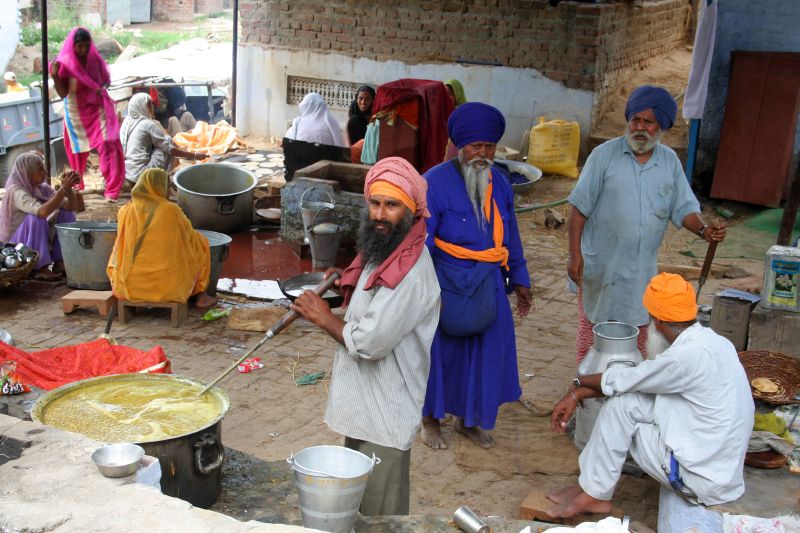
{"x": 158, "y": 256}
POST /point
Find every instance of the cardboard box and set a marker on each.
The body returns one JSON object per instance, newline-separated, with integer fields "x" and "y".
{"x": 730, "y": 316}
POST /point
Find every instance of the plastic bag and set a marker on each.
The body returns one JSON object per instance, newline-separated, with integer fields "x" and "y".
{"x": 10, "y": 383}
{"x": 554, "y": 147}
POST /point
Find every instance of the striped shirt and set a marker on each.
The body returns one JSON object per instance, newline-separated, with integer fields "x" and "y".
{"x": 381, "y": 373}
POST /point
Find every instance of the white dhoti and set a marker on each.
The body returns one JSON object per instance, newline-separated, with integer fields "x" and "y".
{"x": 625, "y": 424}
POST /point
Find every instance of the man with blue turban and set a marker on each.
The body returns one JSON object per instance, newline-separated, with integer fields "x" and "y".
{"x": 628, "y": 191}
{"x": 477, "y": 253}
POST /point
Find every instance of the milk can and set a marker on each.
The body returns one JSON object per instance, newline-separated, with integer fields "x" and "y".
{"x": 615, "y": 343}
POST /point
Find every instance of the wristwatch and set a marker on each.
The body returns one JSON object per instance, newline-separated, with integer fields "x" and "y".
{"x": 576, "y": 382}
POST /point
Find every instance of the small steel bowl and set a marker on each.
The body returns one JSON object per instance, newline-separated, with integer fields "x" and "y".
{"x": 118, "y": 460}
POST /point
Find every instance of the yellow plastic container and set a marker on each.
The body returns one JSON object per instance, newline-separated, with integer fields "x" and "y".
{"x": 554, "y": 147}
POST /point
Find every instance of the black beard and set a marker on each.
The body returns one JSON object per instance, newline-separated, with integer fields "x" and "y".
{"x": 375, "y": 246}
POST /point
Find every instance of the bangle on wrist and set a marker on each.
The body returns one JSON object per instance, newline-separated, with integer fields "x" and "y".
{"x": 702, "y": 230}
{"x": 574, "y": 397}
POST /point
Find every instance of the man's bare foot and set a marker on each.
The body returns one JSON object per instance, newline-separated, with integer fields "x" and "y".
{"x": 58, "y": 267}
{"x": 204, "y": 301}
{"x": 431, "y": 433}
{"x": 44, "y": 274}
{"x": 480, "y": 437}
{"x": 564, "y": 494}
{"x": 581, "y": 504}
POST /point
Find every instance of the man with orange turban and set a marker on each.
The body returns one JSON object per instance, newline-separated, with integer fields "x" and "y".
{"x": 685, "y": 414}
{"x": 381, "y": 365}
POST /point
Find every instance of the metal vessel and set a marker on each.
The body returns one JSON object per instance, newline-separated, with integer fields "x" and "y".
{"x": 615, "y": 343}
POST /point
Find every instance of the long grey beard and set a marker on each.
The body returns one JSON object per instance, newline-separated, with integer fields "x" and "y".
{"x": 642, "y": 142}
{"x": 476, "y": 178}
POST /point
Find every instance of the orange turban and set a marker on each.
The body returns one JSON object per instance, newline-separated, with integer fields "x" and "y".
{"x": 670, "y": 298}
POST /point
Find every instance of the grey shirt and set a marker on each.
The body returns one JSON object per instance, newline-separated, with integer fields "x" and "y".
{"x": 146, "y": 145}
{"x": 381, "y": 373}
{"x": 627, "y": 206}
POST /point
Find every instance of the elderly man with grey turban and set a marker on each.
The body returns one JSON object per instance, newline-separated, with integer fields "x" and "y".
{"x": 628, "y": 191}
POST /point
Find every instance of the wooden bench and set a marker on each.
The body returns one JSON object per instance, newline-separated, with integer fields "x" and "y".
{"x": 104, "y": 301}
{"x": 178, "y": 310}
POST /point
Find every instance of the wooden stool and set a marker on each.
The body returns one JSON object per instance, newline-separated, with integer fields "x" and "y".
{"x": 104, "y": 301}
{"x": 178, "y": 310}
{"x": 535, "y": 507}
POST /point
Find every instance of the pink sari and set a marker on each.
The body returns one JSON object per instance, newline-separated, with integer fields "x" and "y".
{"x": 90, "y": 115}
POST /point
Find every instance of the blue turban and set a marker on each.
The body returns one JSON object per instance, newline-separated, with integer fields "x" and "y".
{"x": 475, "y": 122}
{"x": 655, "y": 98}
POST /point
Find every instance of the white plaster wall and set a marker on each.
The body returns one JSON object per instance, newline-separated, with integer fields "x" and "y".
{"x": 521, "y": 94}
{"x": 9, "y": 31}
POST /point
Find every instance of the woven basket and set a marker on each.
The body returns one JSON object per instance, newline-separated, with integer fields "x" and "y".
{"x": 780, "y": 368}
{"x": 10, "y": 277}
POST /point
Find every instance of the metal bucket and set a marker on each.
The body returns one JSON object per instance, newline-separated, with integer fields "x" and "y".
{"x": 216, "y": 196}
{"x": 325, "y": 238}
{"x": 6, "y": 337}
{"x": 330, "y": 483}
{"x": 309, "y": 211}
{"x": 615, "y": 343}
{"x": 86, "y": 247}
{"x": 220, "y": 245}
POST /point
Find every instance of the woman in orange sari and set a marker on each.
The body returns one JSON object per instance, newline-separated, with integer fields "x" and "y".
{"x": 158, "y": 256}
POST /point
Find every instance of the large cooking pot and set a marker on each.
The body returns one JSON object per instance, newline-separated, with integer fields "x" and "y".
{"x": 191, "y": 463}
{"x": 216, "y": 196}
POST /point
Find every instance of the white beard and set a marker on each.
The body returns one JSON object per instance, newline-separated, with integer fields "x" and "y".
{"x": 642, "y": 142}
{"x": 476, "y": 178}
{"x": 656, "y": 342}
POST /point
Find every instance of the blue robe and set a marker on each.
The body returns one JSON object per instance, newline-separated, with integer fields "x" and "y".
{"x": 471, "y": 376}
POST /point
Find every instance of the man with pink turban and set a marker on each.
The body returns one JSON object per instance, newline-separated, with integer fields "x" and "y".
{"x": 685, "y": 414}
{"x": 382, "y": 359}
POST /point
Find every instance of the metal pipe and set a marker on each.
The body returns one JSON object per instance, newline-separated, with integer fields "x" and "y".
{"x": 210, "y": 104}
{"x": 232, "y": 95}
{"x": 45, "y": 93}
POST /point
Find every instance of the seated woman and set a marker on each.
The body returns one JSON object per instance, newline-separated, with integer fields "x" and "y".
{"x": 359, "y": 114}
{"x": 31, "y": 208}
{"x": 158, "y": 256}
{"x": 144, "y": 142}
{"x": 315, "y": 123}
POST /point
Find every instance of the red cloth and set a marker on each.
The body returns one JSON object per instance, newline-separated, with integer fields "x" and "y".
{"x": 435, "y": 107}
{"x": 49, "y": 369}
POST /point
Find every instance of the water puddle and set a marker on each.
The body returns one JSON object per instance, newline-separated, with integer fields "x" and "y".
{"x": 257, "y": 259}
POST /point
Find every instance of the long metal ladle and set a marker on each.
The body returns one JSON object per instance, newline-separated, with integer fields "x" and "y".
{"x": 276, "y": 328}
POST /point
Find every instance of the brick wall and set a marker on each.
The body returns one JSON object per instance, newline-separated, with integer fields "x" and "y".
{"x": 584, "y": 46}
{"x": 208, "y": 7}
{"x": 173, "y": 10}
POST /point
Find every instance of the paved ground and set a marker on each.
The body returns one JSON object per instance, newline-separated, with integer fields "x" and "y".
{"x": 270, "y": 416}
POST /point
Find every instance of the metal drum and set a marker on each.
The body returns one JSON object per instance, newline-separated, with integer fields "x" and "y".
{"x": 615, "y": 343}
{"x": 216, "y": 196}
{"x": 86, "y": 247}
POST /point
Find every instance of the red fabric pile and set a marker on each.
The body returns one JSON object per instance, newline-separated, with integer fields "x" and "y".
{"x": 49, "y": 369}
{"x": 434, "y": 106}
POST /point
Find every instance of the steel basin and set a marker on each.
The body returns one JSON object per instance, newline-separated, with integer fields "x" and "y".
{"x": 216, "y": 196}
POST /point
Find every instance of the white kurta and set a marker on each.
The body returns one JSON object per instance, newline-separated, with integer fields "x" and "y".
{"x": 380, "y": 374}
{"x": 693, "y": 400}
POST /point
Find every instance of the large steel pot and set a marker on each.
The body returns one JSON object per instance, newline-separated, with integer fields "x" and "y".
{"x": 191, "y": 463}
{"x": 216, "y": 196}
{"x": 615, "y": 343}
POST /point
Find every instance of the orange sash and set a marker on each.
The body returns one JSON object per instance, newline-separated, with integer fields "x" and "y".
{"x": 490, "y": 255}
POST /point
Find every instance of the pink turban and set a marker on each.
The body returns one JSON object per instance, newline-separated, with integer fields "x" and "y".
{"x": 399, "y": 172}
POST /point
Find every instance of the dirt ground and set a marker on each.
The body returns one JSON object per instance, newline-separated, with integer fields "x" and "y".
{"x": 271, "y": 417}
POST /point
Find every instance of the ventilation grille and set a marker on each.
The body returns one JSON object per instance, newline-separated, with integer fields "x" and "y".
{"x": 337, "y": 94}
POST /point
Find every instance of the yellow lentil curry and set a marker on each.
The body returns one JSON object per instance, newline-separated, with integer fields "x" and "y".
{"x": 139, "y": 411}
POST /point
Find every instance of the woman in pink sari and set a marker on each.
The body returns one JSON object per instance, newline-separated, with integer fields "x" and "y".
{"x": 81, "y": 77}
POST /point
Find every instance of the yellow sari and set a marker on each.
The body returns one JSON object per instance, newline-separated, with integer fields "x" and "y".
{"x": 158, "y": 256}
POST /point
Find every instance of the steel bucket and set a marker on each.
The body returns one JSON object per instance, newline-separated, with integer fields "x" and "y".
{"x": 86, "y": 247}
{"x": 615, "y": 343}
{"x": 330, "y": 483}
{"x": 216, "y": 196}
{"x": 220, "y": 245}
{"x": 309, "y": 211}
{"x": 325, "y": 238}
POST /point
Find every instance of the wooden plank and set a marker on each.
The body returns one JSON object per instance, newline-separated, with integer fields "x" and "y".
{"x": 535, "y": 507}
{"x": 256, "y": 318}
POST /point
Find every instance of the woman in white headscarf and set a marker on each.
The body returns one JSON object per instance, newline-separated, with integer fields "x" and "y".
{"x": 144, "y": 142}
{"x": 315, "y": 123}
